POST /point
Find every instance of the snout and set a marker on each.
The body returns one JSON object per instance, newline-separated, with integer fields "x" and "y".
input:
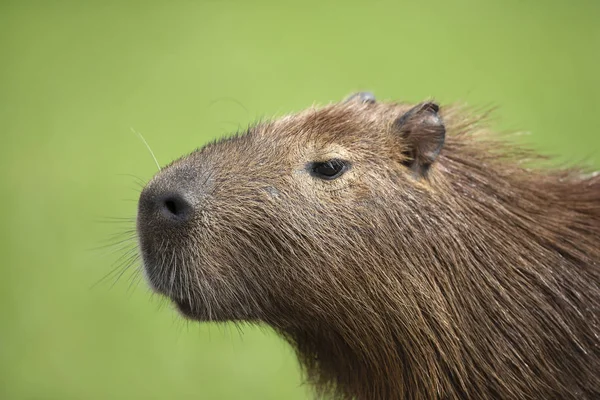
{"x": 167, "y": 211}
{"x": 169, "y": 202}
{"x": 164, "y": 208}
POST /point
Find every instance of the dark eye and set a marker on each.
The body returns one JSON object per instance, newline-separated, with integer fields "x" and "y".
{"x": 329, "y": 169}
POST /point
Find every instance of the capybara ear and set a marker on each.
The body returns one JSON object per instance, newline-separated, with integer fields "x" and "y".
{"x": 361, "y": 97}
{"x": 423, "y": 132}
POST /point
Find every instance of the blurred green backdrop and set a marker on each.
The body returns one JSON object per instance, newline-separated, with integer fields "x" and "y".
{"x": 76, "y": 76}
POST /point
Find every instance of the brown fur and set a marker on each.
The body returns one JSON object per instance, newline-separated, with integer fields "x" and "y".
{"x": 480, "y": 280}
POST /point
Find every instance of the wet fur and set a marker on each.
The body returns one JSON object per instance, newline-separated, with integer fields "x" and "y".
{"x": 480, "y": 280}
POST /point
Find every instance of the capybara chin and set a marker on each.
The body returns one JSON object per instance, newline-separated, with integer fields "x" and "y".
{"x": 402, "y": 250}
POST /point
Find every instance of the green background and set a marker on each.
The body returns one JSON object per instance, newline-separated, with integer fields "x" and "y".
{"x": 75, "y": 77}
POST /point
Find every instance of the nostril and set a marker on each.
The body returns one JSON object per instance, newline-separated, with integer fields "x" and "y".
{"x": 174, "y": 206}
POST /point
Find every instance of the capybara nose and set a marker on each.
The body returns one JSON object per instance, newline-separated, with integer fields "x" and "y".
{"x": 163, "y": 209}
{"x": 173, "y": 207}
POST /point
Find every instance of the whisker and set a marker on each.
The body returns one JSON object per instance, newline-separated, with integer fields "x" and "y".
{"x": 134, "y": 280}
{"x": 138, "y": 181}
{"x": 120, "y": 263}
{"x": 147, "y": 146}
{"x": 111, "y": 220}
{"x": 128, "y": 263}
{"x": 116, "y": 242}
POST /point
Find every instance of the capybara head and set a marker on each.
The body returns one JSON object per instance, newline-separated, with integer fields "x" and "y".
{"x": 402, "y": 250}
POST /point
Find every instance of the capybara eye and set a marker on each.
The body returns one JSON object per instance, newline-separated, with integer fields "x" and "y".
{"x": 329, "y": 169}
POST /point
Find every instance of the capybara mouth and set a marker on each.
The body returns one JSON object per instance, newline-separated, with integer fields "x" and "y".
{"x": 185, "y": 308}
{"x": 194, "y": 311}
